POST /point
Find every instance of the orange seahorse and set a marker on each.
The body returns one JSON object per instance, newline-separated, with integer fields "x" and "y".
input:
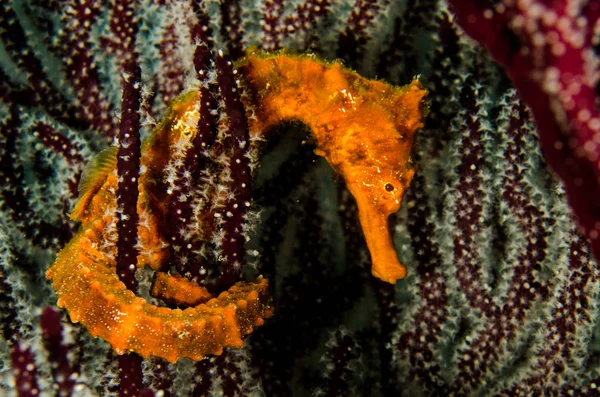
{"x": 363, "y": 128}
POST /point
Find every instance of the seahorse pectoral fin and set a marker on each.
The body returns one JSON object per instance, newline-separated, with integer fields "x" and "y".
{"x": 385, "y": 263}
{"x": 92, "y": 179}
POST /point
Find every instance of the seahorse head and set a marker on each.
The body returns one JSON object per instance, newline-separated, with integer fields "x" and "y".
{"x": 379, "y": 169}
{"x": 371, "y": 150}
{"x": 375, "y": 164}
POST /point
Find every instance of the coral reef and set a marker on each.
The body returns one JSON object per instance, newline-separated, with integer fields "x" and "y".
{"x": 501, "y": 293}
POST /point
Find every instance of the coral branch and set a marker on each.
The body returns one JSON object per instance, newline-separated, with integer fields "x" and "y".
{"x": 128, "y": 172}
{"x": 52, "y": 333}
{"x": 272, "y": 28}
{"x": 353, "y": 39}
{"x": 43, "y": 92}
{"x": 74, "y": 45}
{"x": 25, "y": 372}
{"x": 342, "y": 363}
{"x": 547, "y": 51}
{"x": 236, "y": 207}
{"x": 123, "y": 28}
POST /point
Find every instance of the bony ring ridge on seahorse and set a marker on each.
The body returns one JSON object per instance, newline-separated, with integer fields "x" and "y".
{"x": 363, "y": 128}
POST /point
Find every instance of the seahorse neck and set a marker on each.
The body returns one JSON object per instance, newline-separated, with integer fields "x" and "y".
{"x": 285, "y": 89}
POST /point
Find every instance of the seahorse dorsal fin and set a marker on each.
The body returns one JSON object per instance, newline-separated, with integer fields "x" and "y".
{"x": 93, "y": 176}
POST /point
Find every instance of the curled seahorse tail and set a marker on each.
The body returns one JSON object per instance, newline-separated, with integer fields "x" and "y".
{"x": 89, "y": 288}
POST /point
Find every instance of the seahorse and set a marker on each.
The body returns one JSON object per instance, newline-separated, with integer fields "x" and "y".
{"x": 363, "y": 128}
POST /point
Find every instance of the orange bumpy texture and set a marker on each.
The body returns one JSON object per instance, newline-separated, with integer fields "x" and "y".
{"x": 363, "y": 128}
{"x": 178, "y": 290}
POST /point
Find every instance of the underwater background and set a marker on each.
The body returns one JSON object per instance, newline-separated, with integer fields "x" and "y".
{"x": 501, "y": 297}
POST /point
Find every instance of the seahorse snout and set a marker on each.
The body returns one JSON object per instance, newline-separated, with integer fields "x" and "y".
{"x": 374, "y": 222}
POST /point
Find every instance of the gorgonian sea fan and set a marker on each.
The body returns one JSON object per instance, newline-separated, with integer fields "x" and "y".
{"x": 500, "y": 297}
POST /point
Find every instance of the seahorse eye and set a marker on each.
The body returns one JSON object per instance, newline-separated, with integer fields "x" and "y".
{"x": 389, "y": 187}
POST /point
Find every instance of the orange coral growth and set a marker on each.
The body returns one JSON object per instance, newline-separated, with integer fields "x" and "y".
{"x": 363, "y": 128}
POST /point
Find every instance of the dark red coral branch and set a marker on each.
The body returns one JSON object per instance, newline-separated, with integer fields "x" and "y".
{"x": 14, "y": 197}
{"x": 41, "y": 90}
{"x": 74, "y": 46}
{"x": 128, "y": 170}
{"x": 272, "y": 28}
{"x": 470, "y": 199}
{"x": 232, "y": 28}
{"x": 189, "y": 176}
{"x": 547, "y": 51}
{"x": 63, "y": 372}
{"x": 237, "y": 205}
{"x": 417, "y": 344}
{"x": 571, "y": 311}
{"x": 305, "y": 15}
{"x": 25, "y": 371}
{"x": 172, "y": 71}
{"x": 353, "y": 39}
{"x": 123, "y": 27}
{"x": 63, "y": 146}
